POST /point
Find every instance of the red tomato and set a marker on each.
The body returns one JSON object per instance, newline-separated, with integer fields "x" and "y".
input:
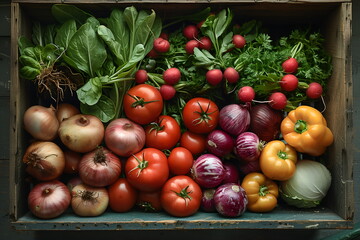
{"x": 181, "y": 196}
{"x": 195, "y": 143}
{"x": 147, "y": 170}
{"x": 180, "y": 161}
{"x": 143, "y": 103}
{"x": 122, "y": 196}
{"x": 149, "y": 201}
{"x": 162, "y": 134}
{"x": 200, "y": 115}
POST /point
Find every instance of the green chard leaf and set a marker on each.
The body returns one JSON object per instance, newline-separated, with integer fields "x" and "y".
{"x": 91, "y": 92}
{"x": 86, "y": 51}
{"x": 66, "y": 12}
{"x": 65, "y": 33}
{"x": 104, "y": 109}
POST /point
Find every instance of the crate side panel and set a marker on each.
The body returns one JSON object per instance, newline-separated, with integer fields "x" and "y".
{"x": 339, "y": 101}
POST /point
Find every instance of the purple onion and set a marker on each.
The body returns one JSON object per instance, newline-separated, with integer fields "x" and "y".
{"x": 231, "y": 173}
{"x": 207, "y": 200}
{"x": 208, "y": 171}
{"x": 219, "y": 143}
{"x": 234, "y": 119}
{"x": 248, "y": 146}
{"x": 248, "y": 167}
{"x": 230, "y": 200}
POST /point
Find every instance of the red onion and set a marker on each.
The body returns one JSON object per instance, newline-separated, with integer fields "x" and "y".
{"x": 265, "y": 122}
{"x": 207, "y": 200}
{"x": 72, "y": 160}
{"x": 81, "y": 133}
{"x": 74, "y": 182}
{"x": 124, "y": 137}
{"x": 248, "y": 146}
{"x": 249, "y": 167}
{"x": 99, "y": 168}
{"x": 89, "y": 201}
{"x": 41, "y": 122}
{"x": 231, "y": 173}
{"x": 45, "y": 160}
{"x": 230, "y": 200}
{"x": 234, "y": 119}
{"x": 49, "y": 199}
{"x": 219, "y": 143}
{"x": 208, "y": 171}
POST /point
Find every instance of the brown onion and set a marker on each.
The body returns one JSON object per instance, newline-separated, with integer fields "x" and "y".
{"x": 124, "y": 137}
{"x": 41, "y": 122}
{"x": 89, "y": 201}
{"x": 66, "y": 110}
{"x": 81, "y": 133}
{"x": 49, "y": 199}
{"x": 45, "y": 160}
{"x": 265, "y": 122}
{"x": 99, "y": 168}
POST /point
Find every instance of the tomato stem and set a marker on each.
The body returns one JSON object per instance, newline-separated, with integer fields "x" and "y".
{"x": 139, "y": 101}
{"x": 204, "y": 115}
{"x": 184, "y": 193}
{"x": 282, "y": 155}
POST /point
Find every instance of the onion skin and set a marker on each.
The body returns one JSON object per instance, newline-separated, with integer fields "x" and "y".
{"x": 219, "y": 143}
{"x": 99, "y": 168}
{"x": 45, "y": 160}
{"x": 234, "y": 119}
{"x": 72, "y": 160}
{"x": 230, "y": 200}
{"x": 65, "y": 111}
{"x": 208, "y": 171}
{"x": 41, "y": 122}
{"x": 49, "y": 199}
{"x": 248, "y": 167}
{"x": 265, "y": 122}
{"x": 89, "y": 201}
{"x": 124, "y": 137}
{"x": 207, "y": 200}
{"x": 81, "y": 133}
{"x": 231, "y": 174}
{"x": 248, "y": 146}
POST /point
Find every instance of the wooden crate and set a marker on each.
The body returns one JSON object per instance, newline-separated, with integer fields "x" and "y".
{"x": 334, "y": 19}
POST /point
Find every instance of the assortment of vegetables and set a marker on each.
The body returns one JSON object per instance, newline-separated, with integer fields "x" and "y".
{"x": 179, "y": 115}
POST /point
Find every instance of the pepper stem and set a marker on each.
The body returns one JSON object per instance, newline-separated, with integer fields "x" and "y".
{"x": 300, "y": 126}
{"x": 263, "y": 190}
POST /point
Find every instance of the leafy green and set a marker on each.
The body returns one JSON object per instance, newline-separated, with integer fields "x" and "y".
{"x": 66, "y": 12}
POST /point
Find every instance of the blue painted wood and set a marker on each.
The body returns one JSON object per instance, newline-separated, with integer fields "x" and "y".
{"x": 281, "y": 218}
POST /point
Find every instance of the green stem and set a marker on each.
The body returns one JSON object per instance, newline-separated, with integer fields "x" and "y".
{"x": 263, "y": 190}
{"x": 300, "y": 126}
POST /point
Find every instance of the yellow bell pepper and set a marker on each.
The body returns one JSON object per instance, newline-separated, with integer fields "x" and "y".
{"x": 305, "y": 129}
{"x": 262, "y": 193}
{"x": 278, "y": 160}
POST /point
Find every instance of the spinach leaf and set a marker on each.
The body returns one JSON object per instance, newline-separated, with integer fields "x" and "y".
{"x": 65, "y": 33}
{"x": 86, "y": 52}
{"x": 104, "y": 109}
{"x": 65, "y": 12}
{"x": 91, "y": 92}
{"x": 114, "y": 46}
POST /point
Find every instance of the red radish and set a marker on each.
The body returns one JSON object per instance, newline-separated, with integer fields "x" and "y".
{"x": 290, "y": 65}
{"x": 164, "y": 36}
{"x": 239, "y": 41}
{"x": 246, "y": 94}
{"x": 214, "y": 76}
{"x": 231, "y": 75}
{"x": 152, "y": 54}
{"x": 314, "y": 90}
{"x": 172, "y": 76}
{"x": 141, "y": 76}
{"x": 190, "y": 45}
{"x": 205, "y": 43}
{"x": 161, "y": 45}
{"x": 289, "y": 82}
{"x": 167, "y": 91}
{"x": 278, "y": 100}
{"x": 191, "y": 31}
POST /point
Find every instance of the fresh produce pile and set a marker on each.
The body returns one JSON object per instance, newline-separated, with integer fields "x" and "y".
{"x": 198, "y": 113}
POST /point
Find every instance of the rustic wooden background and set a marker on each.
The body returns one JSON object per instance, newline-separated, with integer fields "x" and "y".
{"x": 6, "y": 232}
